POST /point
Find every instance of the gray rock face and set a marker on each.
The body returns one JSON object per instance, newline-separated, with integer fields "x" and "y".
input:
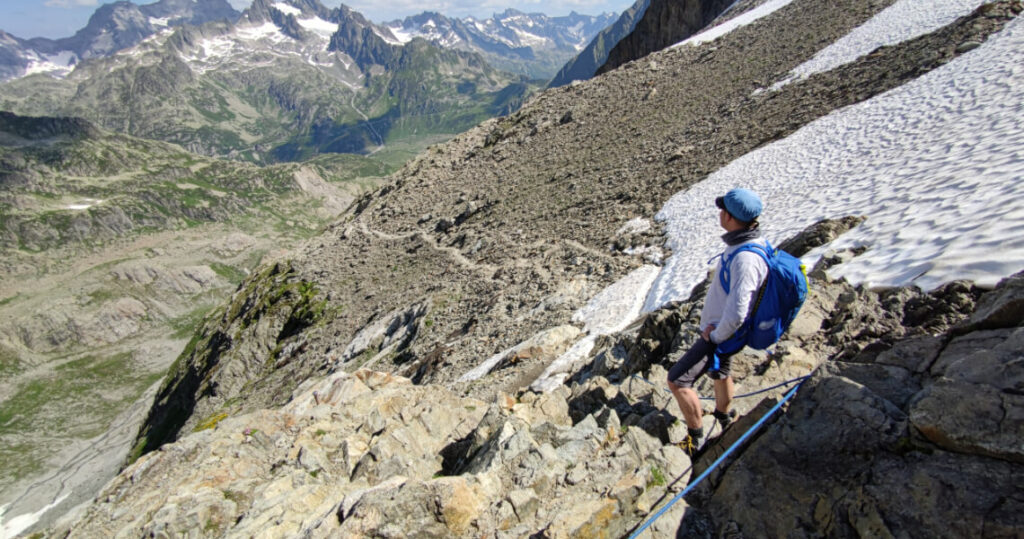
{"x": 922, "y": 438}
{"x": 665, "y": 22}
{"x": 585, "y": 64}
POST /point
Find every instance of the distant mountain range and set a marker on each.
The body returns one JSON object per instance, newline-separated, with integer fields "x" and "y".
{"x": 113, "y": 27}
{"x": 285, "y": 81}
{"x": 533, "y": 44}
{"x": 529, "y": 43}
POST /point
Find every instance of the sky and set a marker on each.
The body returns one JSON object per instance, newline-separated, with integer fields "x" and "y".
{"x": 62, "y": 18}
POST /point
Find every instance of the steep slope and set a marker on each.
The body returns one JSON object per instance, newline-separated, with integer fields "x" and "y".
{"x": 112, "y": 249}
{"x": 585, "y": 64}
{"x": 665, "y": 22}
{"x": 368, "y": 454}
{"x": 501, "y": 234}
{"x": 532, "y": 44}
{"x": 288, "y": 82}
{"x": 480, "y": 252}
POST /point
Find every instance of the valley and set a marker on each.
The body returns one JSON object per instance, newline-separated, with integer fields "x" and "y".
{"x": 114, "y": 250}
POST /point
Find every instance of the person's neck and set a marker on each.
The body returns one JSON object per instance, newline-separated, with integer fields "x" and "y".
{"x": 740, "y": 235}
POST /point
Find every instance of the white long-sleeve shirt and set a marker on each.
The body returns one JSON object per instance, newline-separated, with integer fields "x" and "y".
{"x": 728, "y": 311}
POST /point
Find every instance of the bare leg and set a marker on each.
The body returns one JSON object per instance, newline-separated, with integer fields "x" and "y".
{"x": 689, "y": 404}
{"x": 724, "y": 392}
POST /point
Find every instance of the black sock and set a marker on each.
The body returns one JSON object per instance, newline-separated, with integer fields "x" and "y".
{"x": 695, "y": 433}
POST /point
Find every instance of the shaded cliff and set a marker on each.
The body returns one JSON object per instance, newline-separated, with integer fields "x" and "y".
{"x": 665, "y": 23}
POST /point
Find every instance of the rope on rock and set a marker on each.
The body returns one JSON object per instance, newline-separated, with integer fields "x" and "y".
{"x": 719, "y": 460}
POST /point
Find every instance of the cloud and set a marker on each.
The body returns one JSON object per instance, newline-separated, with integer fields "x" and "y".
{"x": 68, "y": 4}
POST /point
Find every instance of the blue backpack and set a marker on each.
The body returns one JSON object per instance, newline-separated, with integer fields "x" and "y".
{"x": 778, "y": 300}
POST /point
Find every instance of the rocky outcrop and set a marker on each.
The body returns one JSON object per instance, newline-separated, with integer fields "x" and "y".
{"x": 665, "y": 22}
{"x": 919, "y": 436}
{"x": 862, "y": 449}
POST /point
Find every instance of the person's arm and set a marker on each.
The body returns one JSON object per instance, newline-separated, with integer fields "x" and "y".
{"x": 748, "y": 272}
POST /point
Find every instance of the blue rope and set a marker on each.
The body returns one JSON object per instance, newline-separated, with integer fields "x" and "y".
{"x": 717, "y": 462}
{"x": 745, "y": 395}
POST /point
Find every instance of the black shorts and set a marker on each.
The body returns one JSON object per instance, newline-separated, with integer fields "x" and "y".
{"x": 696, "y": 361}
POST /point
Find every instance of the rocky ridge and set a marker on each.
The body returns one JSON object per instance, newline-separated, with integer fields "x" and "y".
{"x": 532, "y": 44}
{"x": 498, "y": 236}
{"x": 367, "y": 453}
{"x": 586, "y": 63}
{"x": 490, "y": 243}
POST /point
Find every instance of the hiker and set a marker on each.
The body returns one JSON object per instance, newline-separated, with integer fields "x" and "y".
{"x": 724, "y": 313}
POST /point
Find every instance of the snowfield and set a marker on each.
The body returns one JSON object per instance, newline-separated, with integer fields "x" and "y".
{"x": 935, "y": 165}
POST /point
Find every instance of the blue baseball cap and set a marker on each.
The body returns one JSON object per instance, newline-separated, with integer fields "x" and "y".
{"x": 743, "y": 204}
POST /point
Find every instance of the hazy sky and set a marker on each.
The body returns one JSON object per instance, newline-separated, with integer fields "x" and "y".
{"x": 62, "y": 18}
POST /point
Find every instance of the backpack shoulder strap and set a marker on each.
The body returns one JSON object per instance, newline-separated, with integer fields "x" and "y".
{"x": 725, "y": 273}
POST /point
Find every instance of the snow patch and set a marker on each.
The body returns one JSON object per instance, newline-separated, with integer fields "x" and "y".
{"x": 161, "y": 22}
{"x": 742, "y": 20}
{"x": 637, "y": 225}
{"x": 318, "y": 25}
{"x": 84, "y": 205}
{"x": 401, "y": 35}
{"x": 58, "y": 65}
{"x": 287, "y": 9}
{"x": 610, "y": 311}
{"x": 935, "y": 165}
{"x": 902, "y": 21}
{"x": 13, "y": 526}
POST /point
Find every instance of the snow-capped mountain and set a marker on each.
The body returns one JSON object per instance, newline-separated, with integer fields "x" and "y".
{"x": 113, "y": 27}
{"x": 533, "y": 44}
{"x": 288, "y": 79}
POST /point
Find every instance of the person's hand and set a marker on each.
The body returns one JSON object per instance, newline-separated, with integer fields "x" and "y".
{"x": 707, "y": 332}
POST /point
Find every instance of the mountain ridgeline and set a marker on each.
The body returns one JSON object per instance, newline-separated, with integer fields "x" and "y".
{"x": 113, "y": 27}
{"x": 284, "y": 83}
{"x": 529, "y": 43}
{"x": 450, "y": 293}
{"x": 646, "y": 27}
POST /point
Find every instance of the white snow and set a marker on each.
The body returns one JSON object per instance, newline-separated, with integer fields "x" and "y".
{"x": 485, "y": 367}
{"x": 265, "y": 30}
{"x": 716, "y": 32}
{"x": 14, "y": 526}
{"x": 902, "y": 21}
{"x": 318, "y": 25}
{"x": 935, "y": 165}
{"x": 58, "y": 65}
{"x": 84, "y": 205}
{"x": 159, "y": 21}
{"x": 610, "y": 311}
{"x": 388, "y": 38}
{"x": 287, "y": 9}
{"x": 401, "y": 35}
{"x": 528, "y": 39}
{"x": 637, "y": 225}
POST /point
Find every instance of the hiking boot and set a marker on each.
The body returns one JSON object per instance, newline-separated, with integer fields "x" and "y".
{"x": 724, "y": 418}
{"x": 691, "y": 443}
